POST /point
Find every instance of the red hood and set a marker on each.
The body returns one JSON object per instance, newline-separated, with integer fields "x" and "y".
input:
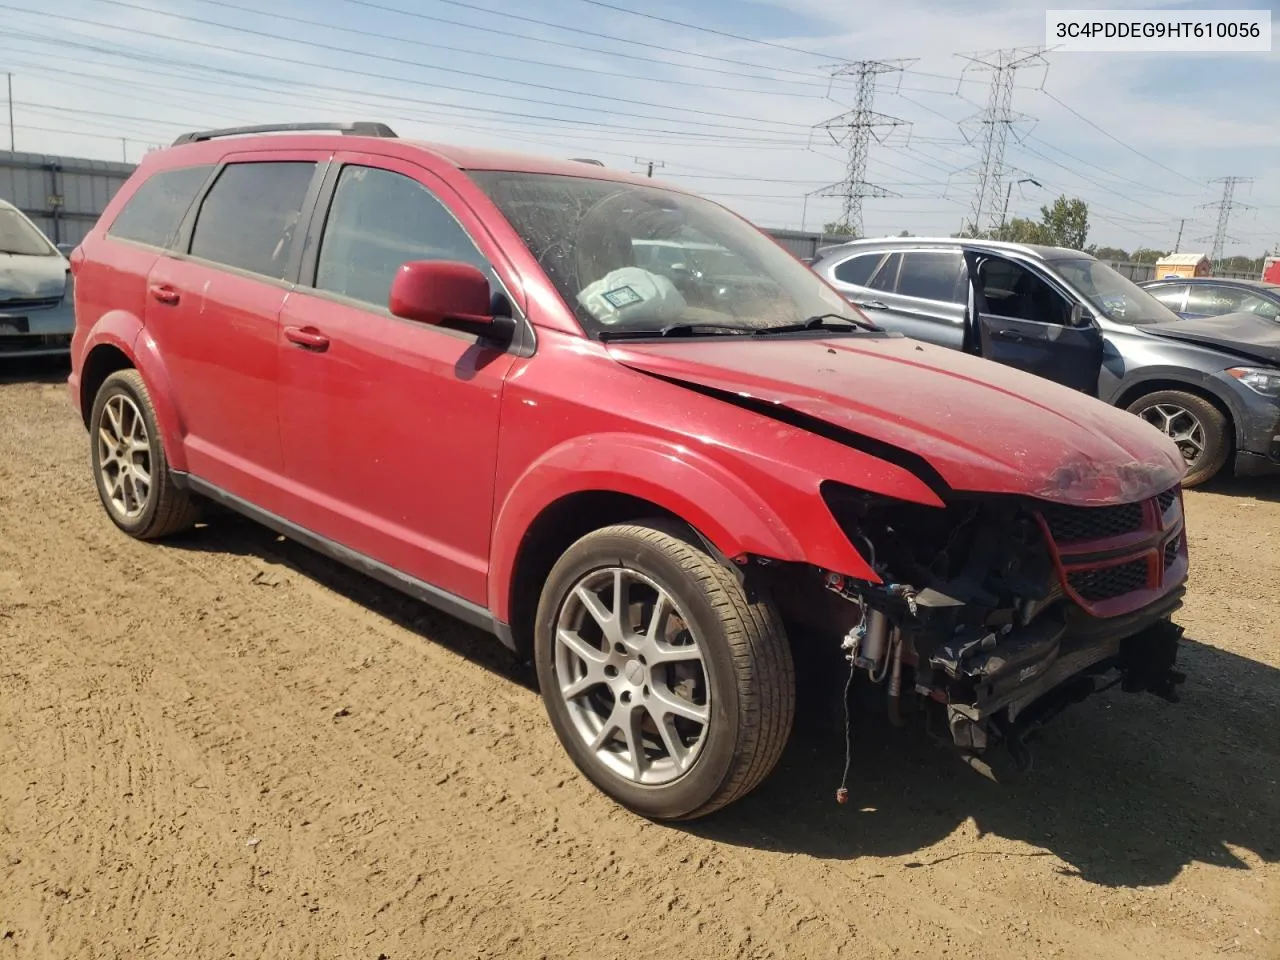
{"x": 982, "y": 426}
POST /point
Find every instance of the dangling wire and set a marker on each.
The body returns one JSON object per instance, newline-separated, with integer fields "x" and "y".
{"x": 842, "y": 794}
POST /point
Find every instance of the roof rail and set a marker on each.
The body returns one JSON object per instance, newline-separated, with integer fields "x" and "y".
{"x": 358, "y": 129}
{"x": 594, "y": 163}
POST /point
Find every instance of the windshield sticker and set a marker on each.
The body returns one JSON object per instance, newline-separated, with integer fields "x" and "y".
{"x": 622, "y": 297}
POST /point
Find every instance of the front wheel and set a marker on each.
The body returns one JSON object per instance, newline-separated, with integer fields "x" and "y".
{"x": 672, "y": 690}
{"x": 1201, "y": 431}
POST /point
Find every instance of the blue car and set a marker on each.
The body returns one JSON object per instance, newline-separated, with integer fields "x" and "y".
{"x": 1195, "y": 298}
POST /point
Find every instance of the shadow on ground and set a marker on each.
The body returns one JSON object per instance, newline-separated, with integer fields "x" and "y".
{"x": 1260, "y": 488}
{"x": 34, "y": 369}
{"x": 1127, "y": 790}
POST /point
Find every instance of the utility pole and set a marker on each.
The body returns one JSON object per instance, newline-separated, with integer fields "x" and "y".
{"x": 9, "y": 79}
{"x": 1224, "y": 207}
{"x": 995, "y": 122}
{"x": 857, "y": 128}
{"x": 124, "y": 150}
{"x": 1004, "y": 214}
{"x": 1177, "y": 244}
{"x": 650, "y": 164}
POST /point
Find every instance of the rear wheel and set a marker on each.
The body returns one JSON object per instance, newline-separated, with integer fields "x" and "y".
{"x": 1201, "y": 431}
{"x": 129, "y": 465}
{"x": 671, "y": 689}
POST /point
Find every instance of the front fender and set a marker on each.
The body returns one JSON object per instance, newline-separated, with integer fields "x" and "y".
{"x": 125, "y": 333}
{"x": 718, "y": 504}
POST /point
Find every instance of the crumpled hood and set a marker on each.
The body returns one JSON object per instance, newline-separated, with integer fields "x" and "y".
{"x": 31, "y": 278}
{"x": 1240, "y": 334}
{"x": 983, "y": 427}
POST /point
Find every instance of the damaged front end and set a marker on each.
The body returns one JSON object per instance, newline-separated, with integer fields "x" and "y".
{"x": 995, "y": 613}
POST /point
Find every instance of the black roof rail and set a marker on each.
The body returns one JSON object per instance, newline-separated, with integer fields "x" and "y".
{"x": 594, "y": 163}
{"x": 358, "y": 129}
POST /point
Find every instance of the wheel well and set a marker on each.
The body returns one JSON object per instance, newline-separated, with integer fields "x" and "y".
{"x": 1153, "y": 386}
{"x": 102, "y": 362}
{"x": 557, "y": 528}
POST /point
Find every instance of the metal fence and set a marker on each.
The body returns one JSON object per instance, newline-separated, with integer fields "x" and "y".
{"x": 64, "y": 196}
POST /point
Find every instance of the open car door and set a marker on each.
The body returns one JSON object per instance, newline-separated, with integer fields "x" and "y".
{"x": 1021, "y": 320}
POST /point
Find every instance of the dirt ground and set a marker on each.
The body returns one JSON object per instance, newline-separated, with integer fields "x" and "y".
{"x": 228, "y": 747}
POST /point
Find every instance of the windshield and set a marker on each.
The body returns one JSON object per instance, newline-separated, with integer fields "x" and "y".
{"x": 1112, "y": 295}
{"x": 19, "y": 236}
{"x": 634, "y": 259}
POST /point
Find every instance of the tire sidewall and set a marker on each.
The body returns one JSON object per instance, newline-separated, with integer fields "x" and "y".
{"x": 715, "y": 761}
{"x": 1215, "y": 426}
{"x": 116, "y": 385}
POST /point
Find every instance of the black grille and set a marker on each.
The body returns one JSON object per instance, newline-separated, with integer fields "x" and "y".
{"x": 1166, "y": 499}
{"x": 30, "y": 303}
{"x": 36, "y": 341}
{"x": 1077, "y": 524}
{"x": 1171, "y": 551}
{"x": 1108, "y": 583}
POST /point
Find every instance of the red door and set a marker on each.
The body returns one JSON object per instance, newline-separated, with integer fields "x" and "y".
{"x": 214, "y": 310}
{"x": 389, "y": 427}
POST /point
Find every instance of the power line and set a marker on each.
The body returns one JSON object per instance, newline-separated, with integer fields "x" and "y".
{"x": 995, "y": 123}
{"x": 859, "y": 127}
{"x": 332, "y": 48}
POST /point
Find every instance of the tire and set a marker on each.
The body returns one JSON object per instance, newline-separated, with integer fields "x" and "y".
{"x": 746, "y": 690}
{"x": 1156, "y": 408}
{"x": 122, "y": 410}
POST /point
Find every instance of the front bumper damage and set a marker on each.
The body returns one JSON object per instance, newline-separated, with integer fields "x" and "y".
{"x": 993, "y": 618}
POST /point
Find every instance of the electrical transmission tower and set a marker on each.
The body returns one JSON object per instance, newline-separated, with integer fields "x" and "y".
{"x": 995, "y": 123}
{"x": 856, "y": 129}
{"x": 1224, "y": 207}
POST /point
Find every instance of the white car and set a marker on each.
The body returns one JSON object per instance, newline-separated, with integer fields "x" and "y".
{"x": 37, "y": 315}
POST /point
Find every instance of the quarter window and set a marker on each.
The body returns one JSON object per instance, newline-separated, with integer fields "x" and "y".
{"x": 155, "y": 211}
{"x": 856, "y": 271}
{"x": 378, "y": 221}
{"x": 250, "y": 218}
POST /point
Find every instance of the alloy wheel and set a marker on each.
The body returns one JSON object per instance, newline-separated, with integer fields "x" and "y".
{"x": 631, "y": 673}
{"x": 124, "y": 457}
{"x": 1181, "y": 426}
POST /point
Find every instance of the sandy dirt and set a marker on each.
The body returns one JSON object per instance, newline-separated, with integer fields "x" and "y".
{"x": 226, "y": 746}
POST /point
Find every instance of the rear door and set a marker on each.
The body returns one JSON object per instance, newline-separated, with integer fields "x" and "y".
{"x": 1024, "y": 320}
{"x": 926, "y": 296}
{"x": 213, "y": 309}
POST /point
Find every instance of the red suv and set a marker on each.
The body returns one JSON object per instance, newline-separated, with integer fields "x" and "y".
{"x": 623, "y": 430}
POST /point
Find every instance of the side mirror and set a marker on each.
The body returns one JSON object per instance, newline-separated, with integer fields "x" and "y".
{"x": 447, "y": 293}
{"x": 1079, "y": 316}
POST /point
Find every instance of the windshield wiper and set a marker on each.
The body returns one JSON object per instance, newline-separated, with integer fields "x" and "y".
{"x": 818, "y": 322}
{"x": 674, "y": 330}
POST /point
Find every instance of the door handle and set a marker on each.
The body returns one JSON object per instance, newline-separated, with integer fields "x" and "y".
{"x": 165, "y": 293}
{"x": 307, "y": 337}
{"x": 874, "y": 305}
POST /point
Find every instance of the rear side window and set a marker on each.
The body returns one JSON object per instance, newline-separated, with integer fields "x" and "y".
{"x": 379, "y": 220}
{"x": 857, "y": 270}
{"x": 1170, "y": 295}
{"x": 249, "y": 218}
{"x": 154, "y": 212}
{"x": 931, "y": 275}
{"x": 887, "y": 276}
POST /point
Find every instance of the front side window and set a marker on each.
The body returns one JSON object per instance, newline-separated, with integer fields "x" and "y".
{"x": 155, "y": 211}
{"x": 932, "y": 275}
{"x": 378, "y": 221}
{"x": 249, "y": 218}
{"x": 19, "y": 236}
{"x": 1116, "y": 298}
{"x": 608, "y": 246}
{"x": 1015, "y": 291}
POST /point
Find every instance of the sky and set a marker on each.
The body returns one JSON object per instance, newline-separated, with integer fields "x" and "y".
{"x": 725, "y": 97}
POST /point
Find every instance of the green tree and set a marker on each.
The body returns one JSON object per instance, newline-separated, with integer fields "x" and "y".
{"x": 838, "y": 228}
{"x": 1109, "y": 253}
{"x": 1147, "y": 255}
{"x": 1066, "y": 223}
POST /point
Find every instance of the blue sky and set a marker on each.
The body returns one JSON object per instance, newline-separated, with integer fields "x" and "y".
{"x": 1138, "y": 136}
